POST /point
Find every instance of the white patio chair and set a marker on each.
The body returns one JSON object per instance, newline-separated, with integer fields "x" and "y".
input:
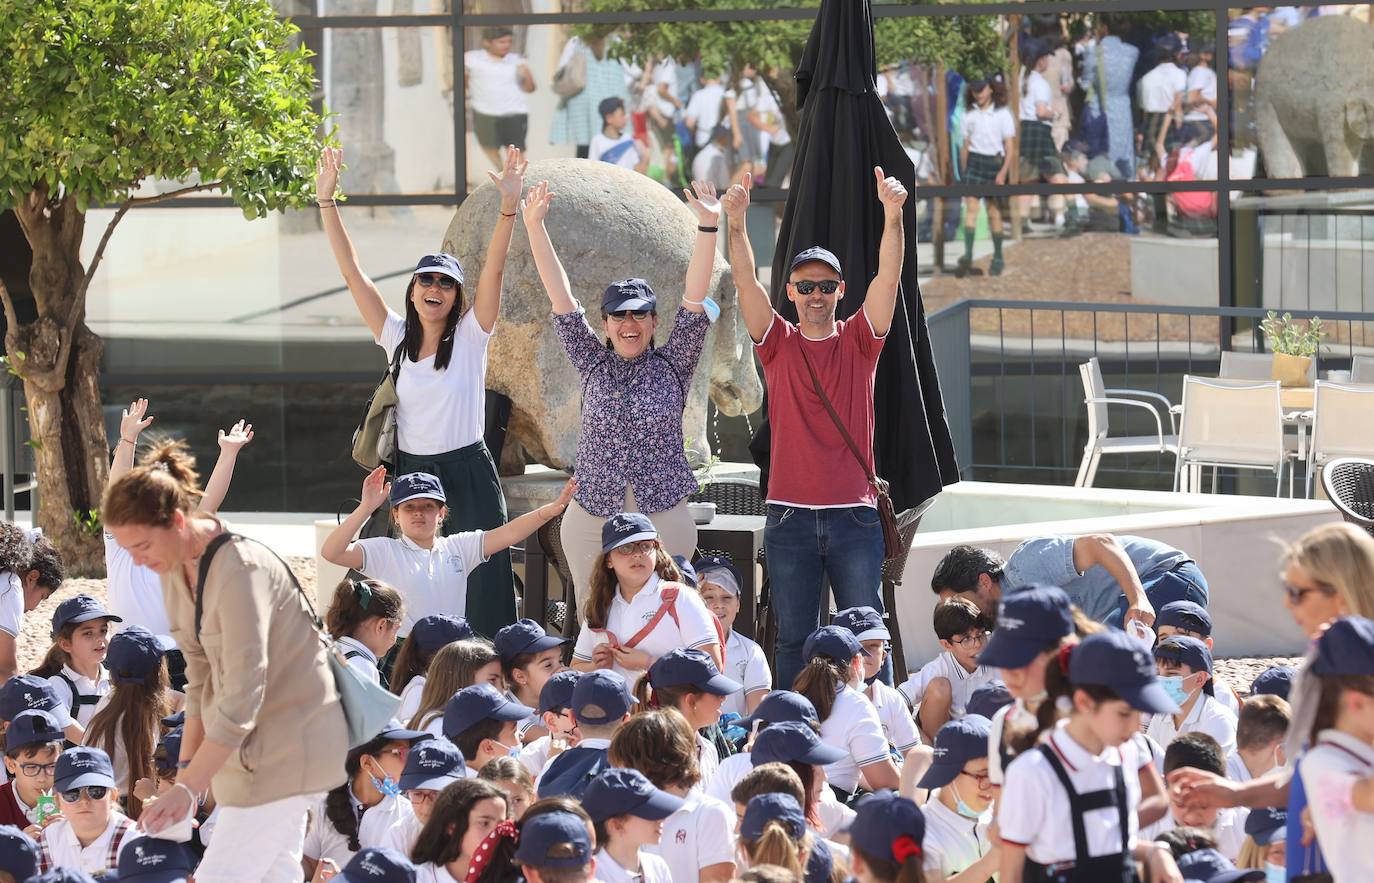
{"x": 1255, "y": 366}
{"x": 1342, "y": 425}
{"x": 1362, "y": 369}
{"x": 1100, "y": 441}
{"x": 1226, "y": 423}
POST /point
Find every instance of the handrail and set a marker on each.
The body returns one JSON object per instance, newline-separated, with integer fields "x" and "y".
{"x": 1094, "y": 307}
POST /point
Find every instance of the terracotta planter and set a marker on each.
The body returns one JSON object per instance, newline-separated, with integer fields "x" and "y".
{"x": 1290, "y": 370}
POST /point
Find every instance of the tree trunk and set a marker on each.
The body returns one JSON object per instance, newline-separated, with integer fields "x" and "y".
{"x": 59, "y": 366}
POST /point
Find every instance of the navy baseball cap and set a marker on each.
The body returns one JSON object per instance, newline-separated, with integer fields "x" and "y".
{"x": 1187, "y": 615}
{"x": 793, "y": 741}
{"x": 556, "y": 839}
{"x": 82, "y": 766}
{"x": 821, "y": 863}
{"x": 170, "y": 744}
{"x": 626, "y": 527}
{"x": 478, "y": 703}
{"x": 888, "y": 827}
{"x": 765, "y": 808}
{"x": 1029, "y": 622}
{"x": 82, "y": 608}
{"x": 628, "y": 294}
{"x": 1210, "y": 866}
{"x": 378, "y": 865}
{"x": 394, "y": 732}
{"x": 134, "y": 653}
{"x": 958, "y": 741}
{"x": 719, "y": 571}
{"x": 18, "y": 853}
{"x": 153, "y": 860}
{"x": 987, "y": 699}
{"x": 557, "y": 692}
{"x": 1347, "y": 648}
{"x": 416, "y": 486}
{"x": 1114, "y": 659}
{"x": 865, "y": 622}
{"x": 32, "y": 728}
{"x": 439, "y": 630}
{"x": 691, "y": 668}
{"x": 432, "y": 766}
{"x": 834, "y": 643}
{"x": 1267, "y": 825}
{"x": 601, "y": 697}
{"x": 25, "y": 692}
{"x": 443, "y": 264}
{"x": 779, "y": 706}
{"x": 1185, "y": 650}
{"x": 816, "y": 253}
{"x": 619, "y": 792}
{"x": 689, "y": 573}
{"x": 1276, "y": 680}
{"x": 525, "y": 636}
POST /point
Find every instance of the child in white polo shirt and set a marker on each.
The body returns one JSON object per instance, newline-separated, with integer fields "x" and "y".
{"x": 718, "y": 583}
{"x": 940, "y": 690}
{"x": 1190, "y": 619}
{"x": 898, "y": 725}
{"x": 92, "y": 831}
{"x": 1185, "y": 670}
{"x": 959, "y": 814}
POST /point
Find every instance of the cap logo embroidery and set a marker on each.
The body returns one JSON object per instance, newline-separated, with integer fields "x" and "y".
{"x": 83, "y": 762}
{"x": 1009, "y": 623}
{"x": 147, "y": 860}
{"x": 940, "y": 752}
{"x": 432, "y": 763}
{"x": 373, "y": 870}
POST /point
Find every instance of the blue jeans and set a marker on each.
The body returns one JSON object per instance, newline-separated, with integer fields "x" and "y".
{"x": 804, "y": 547}
{"x": 1183, "y": 583}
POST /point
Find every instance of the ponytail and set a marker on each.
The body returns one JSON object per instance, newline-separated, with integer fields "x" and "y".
{"x": 338, "y": 808}
{"x": 775, "y": 846}
{"x": 173, "y": 456}
{"x": 819, "y": 681}
{"x": 149, "y": 496}
{"x": 910, "y": 869}
{"x": 56, "y": 657}
{"x": 357, "y": 601}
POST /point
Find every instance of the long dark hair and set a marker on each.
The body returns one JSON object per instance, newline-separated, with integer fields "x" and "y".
{"x": 440, "y": 841}
{"x": 502, "y": 868}
{"x": 604, "y": 584}
{"x": 134, "y": 716}
{"x": 357, "y": 601}
{"x": 338, "y": 809}
{"x": 415, "y": 333}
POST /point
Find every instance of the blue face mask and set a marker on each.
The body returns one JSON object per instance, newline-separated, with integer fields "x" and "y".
{"x": 962, "y": 808}
{"x": 1173, "y": 685}
{"x": 387, "y": 786}
{"x": 1275, "y": 873}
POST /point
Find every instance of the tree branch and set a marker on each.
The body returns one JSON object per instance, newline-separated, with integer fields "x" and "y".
{"x": 171, "y": 194}
{"x": 11, "y": 317}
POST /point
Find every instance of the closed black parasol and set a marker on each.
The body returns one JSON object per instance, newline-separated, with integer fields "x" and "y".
{"x": 844, "y": 133}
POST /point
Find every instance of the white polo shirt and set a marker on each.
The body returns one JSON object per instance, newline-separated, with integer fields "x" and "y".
{"x": 60, "y": 848}
{"x": 952, "y": 842}
{"x": 728, "y": 774}
{"x": 853, "y": 725}
{"x": 962, "y": 682}
{"x": 1157, "y": 89}
{"x": 1228, "y": 830}
{"x": 699, "y": 835}
{"x": 360, "y": 659}
{"x": 402, "y": 834}
{"x": 1329, "y": 770}
{"x": 433, "y": 580}
{"x": 375, "y": 829}
{"x": 835, "y": 816}
{"x": 12, "y": 604}
{"x": 695, "y": 626}
{"x": 1206, "y": 716}
{"x": 708, "y": 761}
{"x": 652, "y": 869}
{"x": 1226, "y": 694}
{"x": 1036, "y": 90}
{"x": 1033, "y": 810}
{"x": 1202, "y": 80}
{"x": 410, "y": 699}
{"x": 744, "y": 663}
{"x": 432, "y": 873}
{"x": 899, "y": 728}
{"x": 85, "y": 686}
{"x": 322, "y": 839}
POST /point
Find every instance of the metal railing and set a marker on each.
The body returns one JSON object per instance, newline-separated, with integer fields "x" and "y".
{"x": 1014, "y": 398}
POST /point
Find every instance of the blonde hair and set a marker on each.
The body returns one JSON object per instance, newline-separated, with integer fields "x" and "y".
{"x": 775, "y": 846}
{"x": 1251, "y": 854}
{"x": 454, "y": 667}
{"x": 1340, "y": 558}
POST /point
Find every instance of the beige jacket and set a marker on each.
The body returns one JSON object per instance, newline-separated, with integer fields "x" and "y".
{"x": 258, "y": 678}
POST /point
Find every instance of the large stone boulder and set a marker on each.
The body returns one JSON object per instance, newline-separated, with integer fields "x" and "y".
{"x": 607, "y": 223}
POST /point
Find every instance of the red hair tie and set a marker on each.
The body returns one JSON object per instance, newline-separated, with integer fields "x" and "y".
{"x": 1064, "y": 653}
{"x": 905, "y": 847}
{"x": 487, "y": 848}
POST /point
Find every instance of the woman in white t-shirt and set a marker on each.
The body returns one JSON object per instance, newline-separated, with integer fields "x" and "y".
{"x": 438, "y": 354}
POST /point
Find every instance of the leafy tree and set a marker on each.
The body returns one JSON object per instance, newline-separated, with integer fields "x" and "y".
{"x": 100, "y": 100}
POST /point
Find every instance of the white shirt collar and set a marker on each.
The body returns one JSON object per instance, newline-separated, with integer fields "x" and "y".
{"x": 1336, "y": 739}
{"x": 1075, "y": 756}
{"x": 594, "y": 743}
{"x": 410, "y": 544}
{"x": 351, "y": 643}
{"x": 650, "y": 588}
{"x": 82, "y": 681}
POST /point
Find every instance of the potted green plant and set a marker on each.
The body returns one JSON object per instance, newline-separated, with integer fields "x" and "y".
{"x": 702, "y": 512}
{"x": 1295, "y": 344}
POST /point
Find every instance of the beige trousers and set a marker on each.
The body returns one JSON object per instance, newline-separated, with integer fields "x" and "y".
{"x": 581, "y": 537}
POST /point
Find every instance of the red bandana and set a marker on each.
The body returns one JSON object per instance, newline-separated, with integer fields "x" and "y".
{"x": 487, "y": 848}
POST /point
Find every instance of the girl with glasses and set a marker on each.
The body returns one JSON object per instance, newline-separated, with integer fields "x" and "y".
{"x": 959, "y": 814}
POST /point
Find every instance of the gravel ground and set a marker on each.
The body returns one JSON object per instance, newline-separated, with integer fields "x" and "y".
{"x": 34, "y": 643}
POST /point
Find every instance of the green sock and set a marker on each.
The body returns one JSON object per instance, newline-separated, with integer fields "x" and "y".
{"x": 997, "y": 246}
{"x": 968, "y": 243}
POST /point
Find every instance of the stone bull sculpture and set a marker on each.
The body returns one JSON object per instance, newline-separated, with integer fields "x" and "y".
{"x": 1314, "y": 98}
{"x": 607, "y": 223}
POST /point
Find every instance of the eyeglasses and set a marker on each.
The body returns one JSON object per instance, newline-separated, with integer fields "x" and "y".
{"x": 643, "y": 547}
{"x": 94, "y": 792}
{"x": 38, "y": 769}
{"x": 422, "y": 795}
{"x": 1296, "y": 594}
{"x": 637, "y": 315}
{"x": 827, "y": 286}
{"x": 983, "y": 779}
{"x": 401, "y": 753}
{"x": 973, "y": 638}
{"x": 428, "y": 280}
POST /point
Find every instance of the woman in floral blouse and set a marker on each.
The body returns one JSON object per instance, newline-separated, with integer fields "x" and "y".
{"x": 630, "y": 455}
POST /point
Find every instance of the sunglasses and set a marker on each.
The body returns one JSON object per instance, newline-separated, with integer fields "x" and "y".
{"x": 623, "y": 315}
{"x": 94, "y": 792}
{"x": 428, "y": 280}
{"x": 1296, "y": 594}
{"x": 827, "y": 286}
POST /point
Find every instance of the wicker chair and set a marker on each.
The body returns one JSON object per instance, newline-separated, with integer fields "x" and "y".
{"x": 893, "y": 568}
{"x": 558, "y": 612}
{"x": 1349, "y": 484}
{"x": 733, "y": 496}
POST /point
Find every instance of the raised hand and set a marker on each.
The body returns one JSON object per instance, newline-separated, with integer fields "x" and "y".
{"x": 134, "y": 420}
{"x": 736, "y": 199}
{"x": 891, "y": 193}
{"x": 239, "y": 434}
{"x": 702, "y": 200}
{"x": 327, "y": 172}
{"x": 375, "y": 488}
{"x": 511, "y": 180}
{"x": 566, "y": 495}
{"x": 536, "y": 205}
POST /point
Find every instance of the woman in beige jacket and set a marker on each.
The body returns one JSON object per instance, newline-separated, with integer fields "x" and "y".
{"x": 264, "y": 725}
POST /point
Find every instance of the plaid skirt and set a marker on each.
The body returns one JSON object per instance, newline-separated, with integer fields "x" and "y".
{"x": 1039, "y": 157}
{"x": 982, "y": 169}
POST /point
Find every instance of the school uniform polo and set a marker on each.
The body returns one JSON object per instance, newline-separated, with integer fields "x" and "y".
{"x": 377, "y": 823}
{"x": 853, "y": 725}
{"x": 899, "y": 727}
{"x": 59, "y": 848}
{"x": 652, "y": 869}
{"x": 359, "y": 658}
{"x": 700, "y": 834}
{"x": 708, "y": 760}
{"x": 1329, "y": 770}
{"x": 952, "y": 842}
{"x": 410, "y": 699}
{"x": 432, "y": 873}
{"x": 695, "y": 627}
{"x": 962, "y": 682}
{"x": 835, "y": 816}
{"x": 1226, "y": 694}
{"x": 89, "y": 690}
{"x": 745, "y": 664}
{"x": 433, "y": 580}
{"x": 1228, "y": 830}
{"x": 1207, "y": 716}
{"x": 728, "y": 774}
{"x": 1033, "y": 810}
{"x": 11, "y": 604}
{"x": 322, "y": 839}
{"x": 402, "y": 834}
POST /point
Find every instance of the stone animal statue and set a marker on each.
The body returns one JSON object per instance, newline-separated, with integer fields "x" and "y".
{"x": 607, "y": 223}
{"x": 1314, "y": 99}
